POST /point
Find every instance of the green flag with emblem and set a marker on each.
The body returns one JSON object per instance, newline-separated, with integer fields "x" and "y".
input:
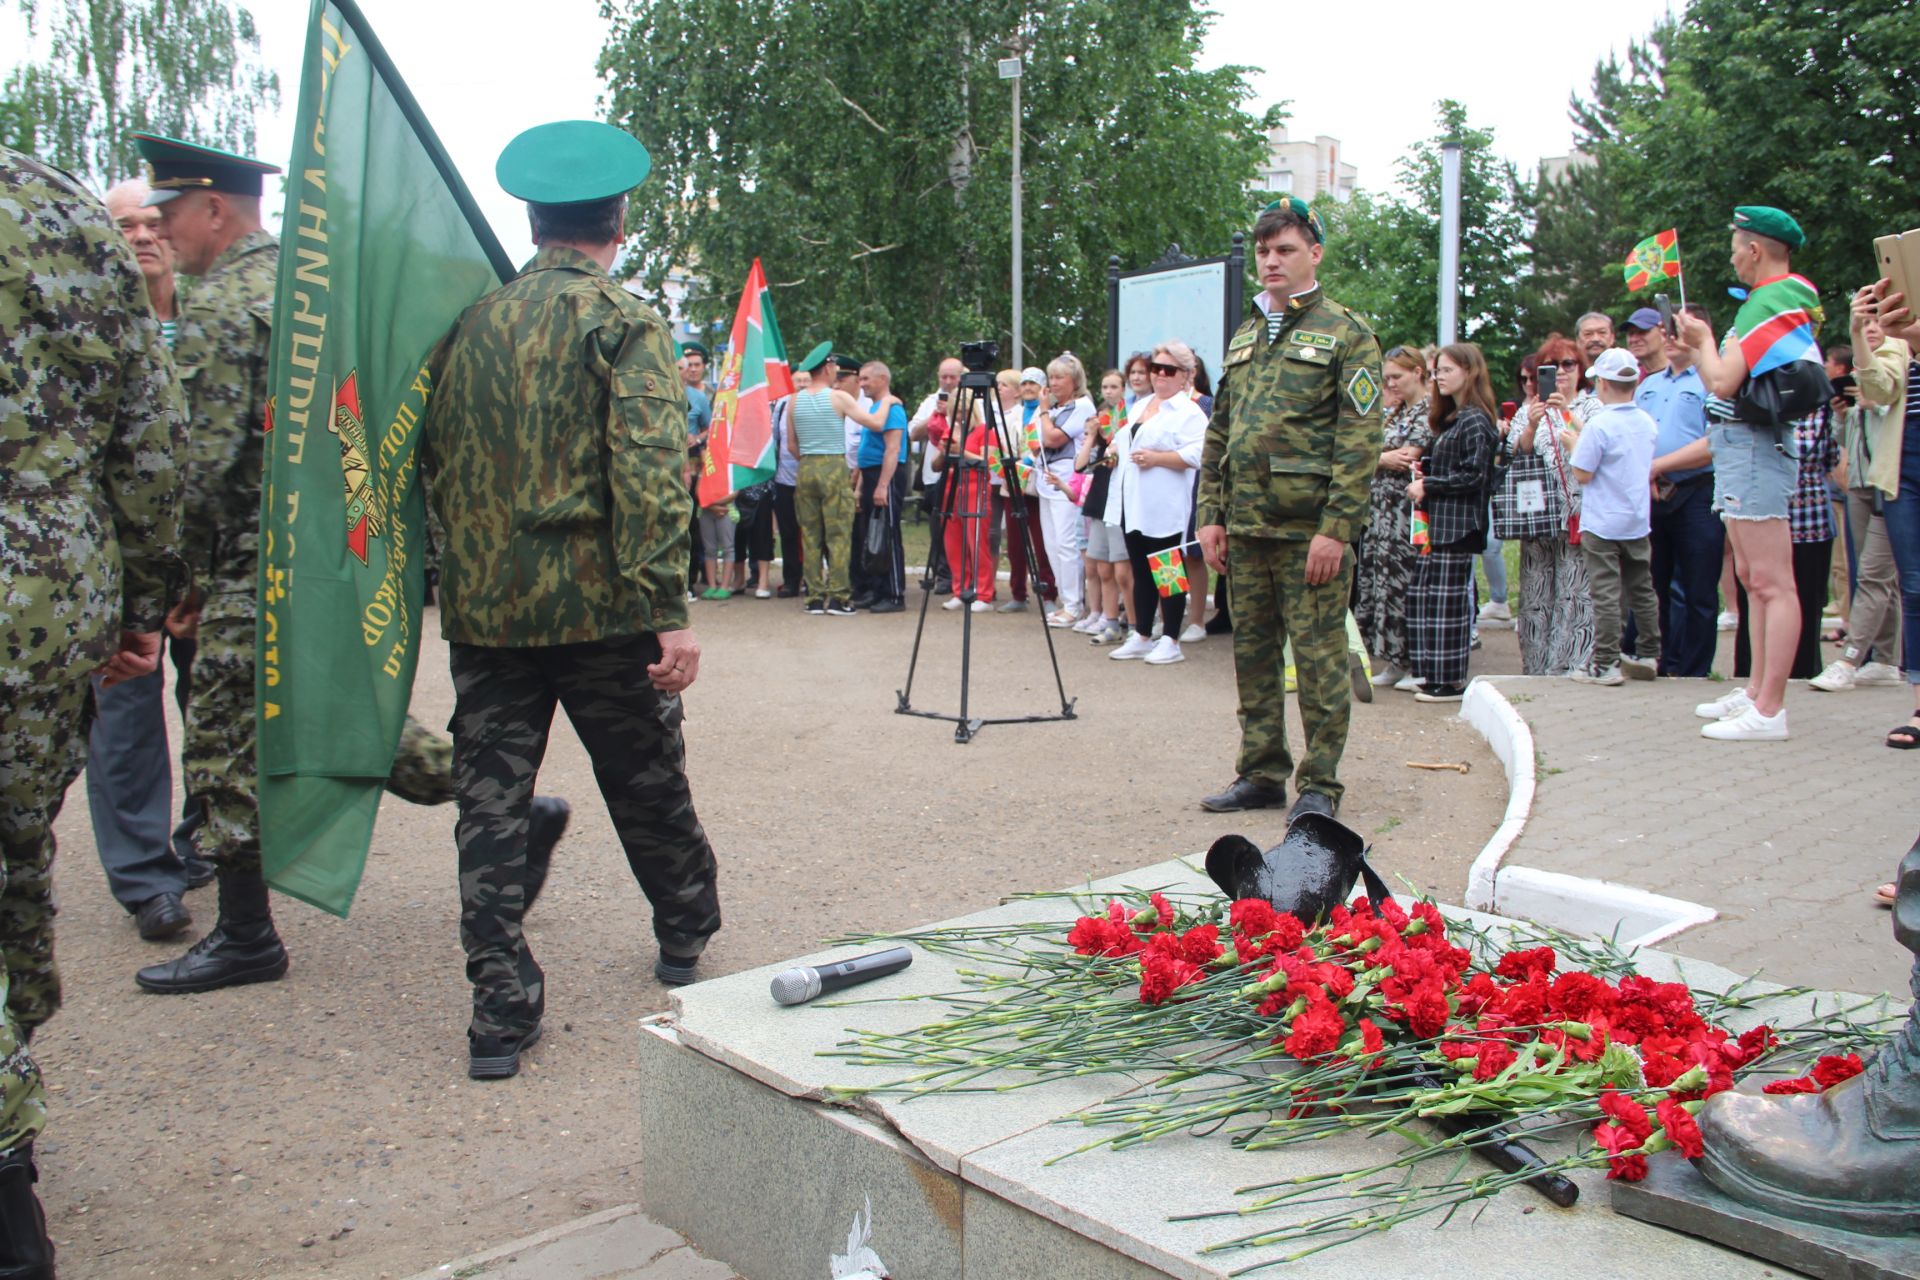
{"x": 383, "y": 247}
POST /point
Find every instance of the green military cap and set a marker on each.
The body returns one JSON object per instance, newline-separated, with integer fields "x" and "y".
{"x": 1304, "y": 211}
{"x": 696, "y": 348}
{"x": 1774, "y": 224}
{"x": 847, "y": 364}
{"x": 814, "y": 358}
{"x": 572, "y": 162}
{"x": 175, "y": 168}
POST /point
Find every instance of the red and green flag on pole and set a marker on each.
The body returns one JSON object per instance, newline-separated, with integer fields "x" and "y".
{"x": 1169, "y": 569}
{"x": 383, "y": 248}
{"x": 755, "y": 374}
{"x": 1653, "y": 260}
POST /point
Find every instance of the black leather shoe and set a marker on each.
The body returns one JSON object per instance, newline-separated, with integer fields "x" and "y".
{"x": 676, "y": 971}
{"x": 26, "y": 1251}
{"x": 1245, "y": 793}
{"x": 200, "y": 873}
{"x": 242, "y": 948}
{"x": 1312, "y": 802}
{"x": 545, "y": 825}
{"x": 161, "y": 917}
{"x": 785, "y": 592}
{"x": 498, "y": 1057}
{"x": 886, "y": 606}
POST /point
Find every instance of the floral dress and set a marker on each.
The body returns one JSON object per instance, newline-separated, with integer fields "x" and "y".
{"x": 1386, "y": 553}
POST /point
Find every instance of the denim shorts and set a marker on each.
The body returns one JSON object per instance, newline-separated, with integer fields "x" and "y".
{"x": 1752, "y": 478}
{"x": 1105, "y": 543}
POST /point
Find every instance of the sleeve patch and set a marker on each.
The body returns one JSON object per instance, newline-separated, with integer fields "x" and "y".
{"x": 1363, "y": 391}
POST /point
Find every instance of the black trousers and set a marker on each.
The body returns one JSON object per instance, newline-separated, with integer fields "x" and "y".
{"x": 931, "y": 495}
{"x": 502, "y": 714}
{"x": 753, "y": 537}
{"x": 1812, "y": 562}
{"x": 1146, "y": 596}
{"x": 892, "y": 584}
{"x": 793, "y": 558}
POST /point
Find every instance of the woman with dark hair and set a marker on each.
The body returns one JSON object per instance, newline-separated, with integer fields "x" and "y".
{"x": 1556, "y": 601}
{"x": 1386, "y": 555}
{"x": 1452, "y": 488}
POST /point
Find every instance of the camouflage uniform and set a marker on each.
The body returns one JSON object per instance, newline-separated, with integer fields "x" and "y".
{"x": 90, "y": 422}
{"x": 1291, "y": 449}
{"x": 555, "y": 440}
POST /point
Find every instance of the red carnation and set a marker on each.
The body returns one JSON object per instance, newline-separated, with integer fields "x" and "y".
{"x": 1830, "y": 1071}
{"x": 1521, "y": 965}
{"x": 1617, "y": 1142}
{"x": 1682, "y": 1130}
{"x": 1316, "y": 1030}
{"x": 1627, "y": 1113}
{"x": 1201, "y": 944}
{"x": 1427, "y": 1012}
{"x": 1758, "y": 1041}
{"x": 1093, "y": 936}
{"x": 1161, "y": 975}
{"x": 1254, "y": 917}
{"x": 1371, "y": 1041}
{"x": 1801, "y": 1085}
{"x": 1495, "y": 1057}
{"x": 1578, "y": 995}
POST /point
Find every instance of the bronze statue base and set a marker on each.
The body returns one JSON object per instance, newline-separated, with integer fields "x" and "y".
{"x": 1675, "y": 1196}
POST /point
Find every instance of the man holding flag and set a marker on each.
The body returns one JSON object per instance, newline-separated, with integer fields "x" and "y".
{"x": 1754, "y": 476}
{"x": 556, "y": 438}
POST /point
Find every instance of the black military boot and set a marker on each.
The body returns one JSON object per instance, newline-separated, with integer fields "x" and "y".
{"x": 242, "y": 948}
{"x": 26, "y": 1251}
{"x": 546, "y": 823}
{"x": 1245, "y": 793}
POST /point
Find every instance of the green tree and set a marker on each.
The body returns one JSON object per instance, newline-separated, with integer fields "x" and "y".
{"x": 1803, "y": 104}
{"x": 186, "y": 68}
{"x": 1383, "y": 254}
{"x": 864, "y": 152}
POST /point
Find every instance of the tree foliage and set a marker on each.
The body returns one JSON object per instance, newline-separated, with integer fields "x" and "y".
{"x": 186, "y": 68}
{"x": 863, "y": 151}
{"x": 1809, "y": 105}
{"x": 1383, "y": 252}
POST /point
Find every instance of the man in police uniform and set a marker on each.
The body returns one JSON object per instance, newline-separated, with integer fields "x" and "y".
{"x": 555, "y": 440}
{"x": 1290, "y": 452}
{"x": 91, "y": 423}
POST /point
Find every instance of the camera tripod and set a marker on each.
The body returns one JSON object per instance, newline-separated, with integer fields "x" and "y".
{"x": 966, "y": 496}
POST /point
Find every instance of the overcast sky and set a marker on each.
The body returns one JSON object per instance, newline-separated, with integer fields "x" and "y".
{"x": 1367, "y": 73}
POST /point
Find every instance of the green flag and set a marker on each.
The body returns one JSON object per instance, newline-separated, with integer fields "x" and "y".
{"x": 382, "y": 247}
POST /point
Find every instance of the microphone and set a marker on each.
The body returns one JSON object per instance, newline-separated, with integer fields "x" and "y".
{"x": 801, "y": 984}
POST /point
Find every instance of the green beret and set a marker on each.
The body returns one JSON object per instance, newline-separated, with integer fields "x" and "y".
{"x": 175, "y": 168}
{"x": 814, "y": 358}
{"x": 1774, "y": 224}
{"x": 695, "y": 348}
{"x": 572, "y": 162}
{"x": 1303, "y": 211}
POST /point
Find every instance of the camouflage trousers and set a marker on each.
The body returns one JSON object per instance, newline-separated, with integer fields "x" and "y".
{"x": 504, "y": 701}
{"x": 826, "y": 503}
{"x": 43, "y": 747}
{"x": 1272, "y": 604}
{"x": 217, "y": 763}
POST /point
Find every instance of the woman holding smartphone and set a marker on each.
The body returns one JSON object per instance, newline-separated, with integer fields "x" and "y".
{"x": 1556, "y": 601}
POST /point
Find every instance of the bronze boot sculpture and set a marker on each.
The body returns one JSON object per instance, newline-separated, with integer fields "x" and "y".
{"x": 1849, "y": 1157}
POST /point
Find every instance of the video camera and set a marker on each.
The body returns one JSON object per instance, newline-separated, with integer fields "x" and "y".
{"x": 980, "y": 357}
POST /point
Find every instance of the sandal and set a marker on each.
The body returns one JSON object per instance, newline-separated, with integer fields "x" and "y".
{"x": 1836, "y": 636}
{"x": 1904, "y": 738}
{"x": 1885, "y": 894}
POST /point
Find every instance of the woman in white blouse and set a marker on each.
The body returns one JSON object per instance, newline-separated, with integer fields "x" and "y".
{"x": 1063, "y": 417}
{"x": 1152, "y": 495}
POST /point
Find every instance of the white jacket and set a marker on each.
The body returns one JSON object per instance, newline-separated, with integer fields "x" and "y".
{"x": 1156, "y": 501}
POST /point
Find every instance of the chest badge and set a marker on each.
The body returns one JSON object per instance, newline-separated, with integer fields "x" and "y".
{"x": 1363, "y": 390}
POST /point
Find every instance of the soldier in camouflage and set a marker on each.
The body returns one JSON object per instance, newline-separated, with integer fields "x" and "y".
{"x": 90, "y": 423}
{"x": 555, "y": 441}
{"x": 1284, "y": 478}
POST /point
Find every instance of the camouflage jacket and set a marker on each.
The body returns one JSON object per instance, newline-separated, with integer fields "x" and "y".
{"x": 221, "y": 346}
{"x": 555, "y": 441}
{"x": 90, "y": 425}
{"x": 1295, "y": 433}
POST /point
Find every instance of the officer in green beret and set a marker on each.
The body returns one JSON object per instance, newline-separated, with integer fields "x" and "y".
{"x": 556, "y": 443}
{"x": 1290, "y": 453}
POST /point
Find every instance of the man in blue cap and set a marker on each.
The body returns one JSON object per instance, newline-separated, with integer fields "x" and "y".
{"x": 556, "y": 442}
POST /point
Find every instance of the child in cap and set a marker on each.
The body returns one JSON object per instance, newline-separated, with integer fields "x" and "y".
{"x": 1613, "y": 460}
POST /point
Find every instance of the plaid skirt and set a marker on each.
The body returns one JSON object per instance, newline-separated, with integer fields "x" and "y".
{"x": 1440, "y": 616}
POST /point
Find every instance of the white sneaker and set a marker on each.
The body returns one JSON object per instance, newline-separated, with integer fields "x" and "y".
{"x": 1748, "y": 726}
{"x": 1837, "y": 678}
{"x": 1725, "y": 708}
{"x": 1638, "y": 668}
{"x": 953, "y": 603}
{"x": 1387, "y": 676}
{"x": 983, "y": 606}
{"x": 1090, "y": 625}
{"x": 1166, "y": 649}
{"x": 1589, "y": 675}
{"x": 1194, "y": 634}
{"x": 1729, "y": 621}
{"x": 1137, "y": 646}
{"x": 1496, "y": 616}
{"x": 763, "y": 594}
{"x": 1408, "y": 683}
{"x": 1878, "y": 673}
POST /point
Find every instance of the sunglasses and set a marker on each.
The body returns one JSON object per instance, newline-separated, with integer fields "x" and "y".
{"x": 1568, "y": 364}
{"x": 1165, "y": 370}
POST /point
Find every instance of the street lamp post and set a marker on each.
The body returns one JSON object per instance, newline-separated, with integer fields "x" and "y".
{"x": 1449, "y": 242}
{"x": 1010, "y": 69}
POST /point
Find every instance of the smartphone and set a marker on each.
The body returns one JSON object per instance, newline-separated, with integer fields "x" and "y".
{"x": 1843, "y": 387}
{"x": 1549, "y": 377}
{"x": 943, "y": 395}
{"x": 1668, "y": 325}
{"x": 1507, "y": 409}
{"x": 1899, "y": 259}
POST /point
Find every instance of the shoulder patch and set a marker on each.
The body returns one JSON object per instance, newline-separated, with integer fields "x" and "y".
{"x": 1363, "y": 391}
{"x": 1243, "y": 339}
{"x": 1309, "y": 338}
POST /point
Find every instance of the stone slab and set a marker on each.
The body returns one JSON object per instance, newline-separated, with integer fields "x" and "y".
{"x": 615, "y": 1244}
{"x": 1675, "y": 1195}
{"x": 1004, "y": 1241}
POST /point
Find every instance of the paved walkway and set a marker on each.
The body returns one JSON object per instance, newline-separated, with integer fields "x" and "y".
{"x": 619, "y": 1244}
{"x": 1785, "y": 840}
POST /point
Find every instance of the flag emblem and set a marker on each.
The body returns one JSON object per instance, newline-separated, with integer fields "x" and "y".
{"x": 363, "y": 508}
{"x": 1654, "y": 259}
{"x": 1169, "y": 570}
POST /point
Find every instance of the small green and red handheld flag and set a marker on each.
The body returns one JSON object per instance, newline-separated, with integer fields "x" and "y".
{"x": 1654, "y": 259}
{"x": 1169, "y": 570}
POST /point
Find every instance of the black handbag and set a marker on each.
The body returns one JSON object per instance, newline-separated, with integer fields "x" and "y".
{"x": 879, "y": 560}
{"x": 1782, "y": 396}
